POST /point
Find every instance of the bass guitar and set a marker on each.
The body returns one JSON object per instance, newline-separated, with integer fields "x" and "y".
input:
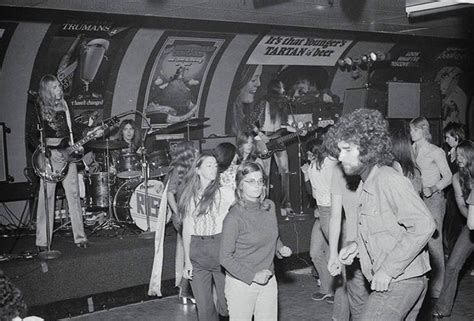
{"x": 267, "y": 149}
{"x": 54, "y": 172}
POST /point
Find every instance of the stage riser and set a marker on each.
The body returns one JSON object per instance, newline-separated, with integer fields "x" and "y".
{"x": 114, "y": 271}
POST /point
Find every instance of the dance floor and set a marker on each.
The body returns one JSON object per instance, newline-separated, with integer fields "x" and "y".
{"x": 295, "y": 304}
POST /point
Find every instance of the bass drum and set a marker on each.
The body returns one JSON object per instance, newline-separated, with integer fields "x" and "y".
{"x": 129, "y": 202}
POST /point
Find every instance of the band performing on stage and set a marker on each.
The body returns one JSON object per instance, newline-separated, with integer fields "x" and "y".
{"x": 372, "y": 190}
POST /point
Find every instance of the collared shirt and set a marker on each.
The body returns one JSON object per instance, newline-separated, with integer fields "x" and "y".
{"x": 431, "y": 161}
{"x": 394, "y": 226}
{"x": 321, "y": 181}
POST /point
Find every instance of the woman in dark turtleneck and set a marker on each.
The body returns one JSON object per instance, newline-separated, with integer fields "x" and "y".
{"x": 249, "y": 243}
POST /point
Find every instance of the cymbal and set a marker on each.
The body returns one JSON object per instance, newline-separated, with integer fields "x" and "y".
{"x": 183, "y": 124}
{"x": 104, "y": 144}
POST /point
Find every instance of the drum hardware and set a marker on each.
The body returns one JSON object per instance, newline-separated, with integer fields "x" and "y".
{"x": 148, "y": 234}
{"x": 111, "y": 222}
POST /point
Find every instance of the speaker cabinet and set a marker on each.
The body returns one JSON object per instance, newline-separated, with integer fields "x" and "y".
{"x": 364, "y": 97}
{"x": 403, "y": 100}
{"x": 411, "y": 100}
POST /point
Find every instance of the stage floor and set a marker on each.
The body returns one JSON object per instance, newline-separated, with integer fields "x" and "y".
{"x": 114, "y": 271}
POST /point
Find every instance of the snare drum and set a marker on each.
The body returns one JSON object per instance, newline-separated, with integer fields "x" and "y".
{"x": 129, "y": 202}
{"x": 97, "y": 189}
{"x": 128, "y": 165}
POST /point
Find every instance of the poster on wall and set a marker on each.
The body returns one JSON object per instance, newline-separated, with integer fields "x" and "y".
{"x": 177, "y": 76}
{"x": 85, "y": 57}
{"x": 305, "y": 65}
{"x": 454, "y": 75}
{"x": 6, "y": 32}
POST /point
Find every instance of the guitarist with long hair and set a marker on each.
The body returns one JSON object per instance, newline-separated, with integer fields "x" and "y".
{"x": 271, "y": 114}
{"x": 58, "y": 127}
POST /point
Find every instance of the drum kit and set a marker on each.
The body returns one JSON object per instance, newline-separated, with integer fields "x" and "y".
{"x": 130, "y": 185}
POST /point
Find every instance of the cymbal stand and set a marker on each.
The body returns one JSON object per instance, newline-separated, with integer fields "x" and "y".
{"x": 188, "y": 125}
{"x": 148, "y": 234}
{"x": 48, "y": 254}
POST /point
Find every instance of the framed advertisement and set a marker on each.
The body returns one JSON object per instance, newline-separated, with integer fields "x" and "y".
{"x": 175, "y": 80}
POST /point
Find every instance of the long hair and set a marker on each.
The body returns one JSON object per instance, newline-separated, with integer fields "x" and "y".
{"x": 192, "y": 185}
{"x": 277, "y": 102}
{"x": 242, "y": 171}
{"x": 466, "y": 173}
{"x": 367, "y": 129}
{"x": 224, "y": 153}
{"x": 46, "y": 98}
{"x": 239, "y": 108}
{"x": 182, "y": 158}
{"x": 136, "y": 140}
{"x": 242, "y": 139}
{"x": 403, "y": 153}
{"x": 456, "y": 130}
{"x": 423, "y": 124}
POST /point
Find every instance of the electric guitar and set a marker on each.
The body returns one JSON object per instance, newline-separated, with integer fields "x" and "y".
{"x": 54, "y": 172}
{"x": 266, "y": 150}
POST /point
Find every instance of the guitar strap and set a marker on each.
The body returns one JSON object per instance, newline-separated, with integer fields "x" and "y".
{"x": 69, "y": 122}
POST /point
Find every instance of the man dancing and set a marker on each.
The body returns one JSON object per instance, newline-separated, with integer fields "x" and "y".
{"x": 394, "y": 224}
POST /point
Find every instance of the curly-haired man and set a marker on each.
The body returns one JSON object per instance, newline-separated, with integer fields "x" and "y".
{"x": 394, "y": 225}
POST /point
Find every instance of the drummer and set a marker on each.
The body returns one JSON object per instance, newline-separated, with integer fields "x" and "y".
{"x": 128, "y": 133}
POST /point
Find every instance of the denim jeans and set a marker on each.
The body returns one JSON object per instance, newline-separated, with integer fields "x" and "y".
{"x": 245, "y": 300}
{"x": 437, "y": 206}
{"x": 319, "y": 249}
{"x": 461, "y": 251}
{"x": 402, "y": 301}
{"x": 350, "y": 298}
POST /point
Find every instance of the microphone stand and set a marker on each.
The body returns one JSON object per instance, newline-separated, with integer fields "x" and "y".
{"x": 48, "y": 254}
{"x": 301, "y": 215}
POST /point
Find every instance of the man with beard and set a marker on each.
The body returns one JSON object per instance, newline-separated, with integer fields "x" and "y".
{"x": 394, "y": 225}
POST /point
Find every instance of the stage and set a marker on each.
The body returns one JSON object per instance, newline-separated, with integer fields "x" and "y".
{"x": 114, "y": 271}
